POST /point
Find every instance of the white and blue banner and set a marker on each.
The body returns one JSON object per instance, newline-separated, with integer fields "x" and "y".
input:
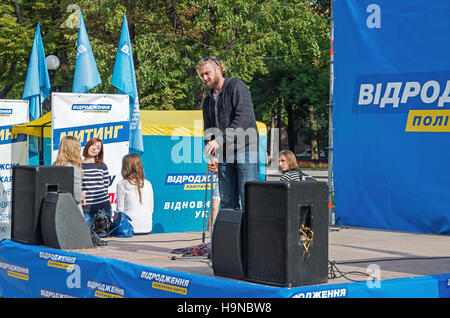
{"x": 13, "y": 151}
{"x": 86, "y": 116}
{"x": 391, "y": 108}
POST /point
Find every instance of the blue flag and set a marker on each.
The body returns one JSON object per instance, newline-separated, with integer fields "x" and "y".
{"x": 125, "y": 80}
{"x": 86, "y": 74}
{"x": 37, "y": 86}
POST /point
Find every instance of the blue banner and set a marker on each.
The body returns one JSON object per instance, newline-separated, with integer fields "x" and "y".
{"x": 111, "y": 132}
{"x": 6, "y": 137}
{"x": 25, "y": 271}
{"x": 178, "y": 182}
{"x": 176, "y": 167}
{"x": 391, "y": 108}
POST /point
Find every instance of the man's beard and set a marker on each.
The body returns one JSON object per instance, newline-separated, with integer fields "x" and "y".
{"x": 213, "y": 83}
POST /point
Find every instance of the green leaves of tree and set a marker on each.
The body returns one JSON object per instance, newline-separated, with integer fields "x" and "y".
{"x": 279, "y": 48}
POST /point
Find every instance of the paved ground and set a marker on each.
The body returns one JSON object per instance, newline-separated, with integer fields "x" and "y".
{"x": 357, "y": 252}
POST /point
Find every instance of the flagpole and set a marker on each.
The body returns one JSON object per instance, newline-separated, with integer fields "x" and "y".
{"x": 41, "y": 143}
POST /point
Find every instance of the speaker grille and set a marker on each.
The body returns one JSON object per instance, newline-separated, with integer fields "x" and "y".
{"x": 266, "y": 233}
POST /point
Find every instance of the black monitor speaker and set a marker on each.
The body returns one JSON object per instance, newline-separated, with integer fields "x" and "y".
{"x": 30, "y": 185}
{"x": 226, "y": 244}
{"x": 62, "y": 223}
{"x": 286, "y": 233}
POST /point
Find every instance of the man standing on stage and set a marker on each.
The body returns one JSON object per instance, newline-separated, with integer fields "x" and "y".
{"x": 230, "y": 131}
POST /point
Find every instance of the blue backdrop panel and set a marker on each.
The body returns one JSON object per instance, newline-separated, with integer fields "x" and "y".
{"x": 391, "y": 110}
{"x": 176, "y": 167}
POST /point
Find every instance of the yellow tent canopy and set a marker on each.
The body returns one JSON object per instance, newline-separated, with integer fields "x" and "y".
{"x": 36, "y": 127}
{"x": 178, "y": 123}
{"x": 154, "y": 122}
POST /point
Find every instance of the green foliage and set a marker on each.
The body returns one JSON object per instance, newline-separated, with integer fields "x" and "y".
{"x": 295, "y": 90}
{"x": 15, "y": 41}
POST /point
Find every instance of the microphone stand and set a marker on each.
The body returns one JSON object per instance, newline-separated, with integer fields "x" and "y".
{"x": 204, "y": 208}
{"x": 204, "y": 216}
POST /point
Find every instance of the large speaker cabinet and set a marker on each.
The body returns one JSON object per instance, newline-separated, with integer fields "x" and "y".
{"x": 286, "y": 233}
{"x": 30, "y": 185}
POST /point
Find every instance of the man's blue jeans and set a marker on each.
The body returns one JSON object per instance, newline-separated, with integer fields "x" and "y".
{"x": 232, "y": 179}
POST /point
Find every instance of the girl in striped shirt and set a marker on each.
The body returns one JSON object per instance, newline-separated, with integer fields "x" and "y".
{"x": 95, "y": 181}
{"x": 289, "y": 168}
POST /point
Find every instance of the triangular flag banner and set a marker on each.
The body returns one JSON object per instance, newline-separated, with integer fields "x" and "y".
{"x": 86, "y": 74}
{"x": 37, "y": 85}
{"x": 125, "y": 80}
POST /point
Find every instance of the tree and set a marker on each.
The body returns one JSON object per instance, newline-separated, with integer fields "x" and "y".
{"x": 15, "y": 41}
{"x": 16, "y": 38}
{"x": 274, "y": 46}
{"x": 295, "y": 89}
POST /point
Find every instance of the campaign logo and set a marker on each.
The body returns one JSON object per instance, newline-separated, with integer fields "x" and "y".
{"x": 6, "y": 111}
{"x": 173, "y": 284}
{"x": 15, "y": 271}
{"x": 425, "y": 97}
{"x": 327, "y": 293}
{"x": 58, "y": 260}
{"x": 81, "y": 49}
{"x": 192, "y": 181}
{"x": 103, "y": 290}
{"x": 92, "y": 108}
{"x": 125, "y": 49}
{"x": 399, "y": 93}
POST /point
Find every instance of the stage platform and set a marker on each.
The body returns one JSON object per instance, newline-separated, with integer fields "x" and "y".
{"x": 398, "y": 254}
{"x": 363, "y": 263}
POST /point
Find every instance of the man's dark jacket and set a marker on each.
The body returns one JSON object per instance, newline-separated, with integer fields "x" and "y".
{"x": 233, "y": 109}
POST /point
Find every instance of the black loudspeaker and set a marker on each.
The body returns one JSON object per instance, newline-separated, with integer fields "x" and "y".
{"x": 226, "y": 244}
{"x": 30, "y": 185}
{"x": 286, "y": 233}
{"x": 62, "y": 224}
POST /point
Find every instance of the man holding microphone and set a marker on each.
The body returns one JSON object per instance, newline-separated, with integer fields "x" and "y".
{"x": 230, "y": 132}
